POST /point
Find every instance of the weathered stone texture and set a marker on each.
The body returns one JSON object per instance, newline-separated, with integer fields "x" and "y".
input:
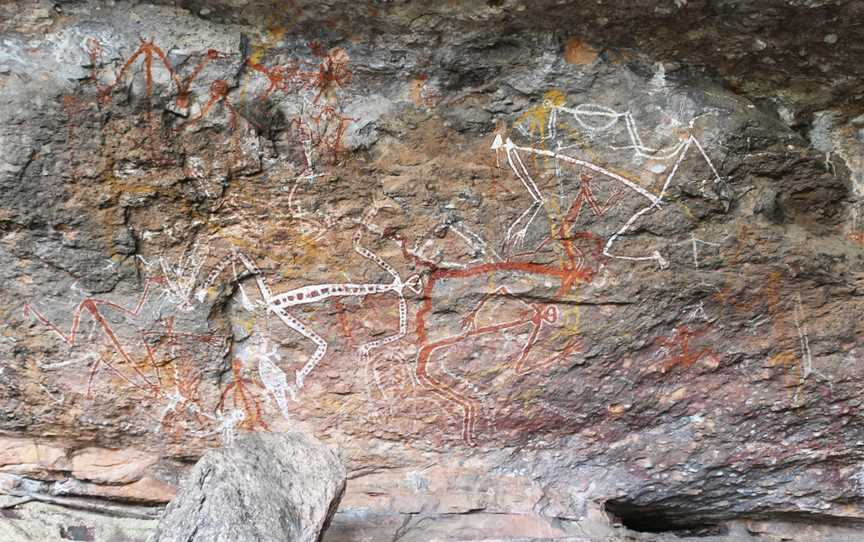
{"x": 534, "y": 267}
{"x": 260, "y": 487}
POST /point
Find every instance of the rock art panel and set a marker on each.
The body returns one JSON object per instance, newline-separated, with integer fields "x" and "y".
{"x": 562, "y": 272}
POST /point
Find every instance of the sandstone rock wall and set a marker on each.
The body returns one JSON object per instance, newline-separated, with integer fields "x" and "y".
{"x": 536, "y": 268}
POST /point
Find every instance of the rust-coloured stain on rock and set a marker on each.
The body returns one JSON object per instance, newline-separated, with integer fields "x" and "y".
{"x": 577, "y": 51}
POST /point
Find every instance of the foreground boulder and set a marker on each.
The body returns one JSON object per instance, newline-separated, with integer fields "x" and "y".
{"x": 264, "y": 486}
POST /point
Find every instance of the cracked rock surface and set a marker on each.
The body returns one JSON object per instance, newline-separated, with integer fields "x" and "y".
{"x": 539, "y": 270}
{"x": 262, "y": 486}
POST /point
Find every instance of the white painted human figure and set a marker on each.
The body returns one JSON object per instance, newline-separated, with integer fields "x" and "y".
{"x": 550, "y": 130}
{"x": 584, "y": 115}
{"x": 272, "y": 376}
{"x": 481, "y": 250}
{"x": 528, "y": 215}
{"x": 180, "y": 277}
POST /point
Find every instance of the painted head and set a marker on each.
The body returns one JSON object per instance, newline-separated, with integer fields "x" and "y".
{"x": 219, "y": 88}
{"x": 553, "y": 99}
{"x": 550, "y": 314}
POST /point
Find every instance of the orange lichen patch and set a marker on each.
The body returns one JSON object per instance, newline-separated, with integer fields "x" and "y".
{"x": 792, "y": 363}
{"x": 783, "y": 359}
{"x": 616, "y": 409}
{"x": 856, "y": 237}
{"x": 577, "y": 51}
{"x": 272, "y": 35}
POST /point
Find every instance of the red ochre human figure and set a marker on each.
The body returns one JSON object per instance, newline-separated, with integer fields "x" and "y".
{"x": 218, "y": 93}
{"x": 566, "y": 235}
{"x": 332, "y": 73}
{"x": 161, "y": 348}
{"x": 324, "y": 126}
{"x": 183, "y": 93}
{"x": 281, "y": 78}
{"x": 586, "y": 195}
{"x": 572, "y": 270}
{"x": 677, "y": 349}
{"x": 92, "y": 306}
{"x": 147, "y": 53}
{"x": 181, "y": 389}
{"x": 150, "y": 50}
{"x": 241, "y": 397}
{"x": 330, "y": 127}
{"x": 536, "y": 316}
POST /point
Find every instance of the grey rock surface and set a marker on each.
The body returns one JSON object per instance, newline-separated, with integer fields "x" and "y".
{"x": 281, "y": 487}
{"x": 569, "y": 268}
